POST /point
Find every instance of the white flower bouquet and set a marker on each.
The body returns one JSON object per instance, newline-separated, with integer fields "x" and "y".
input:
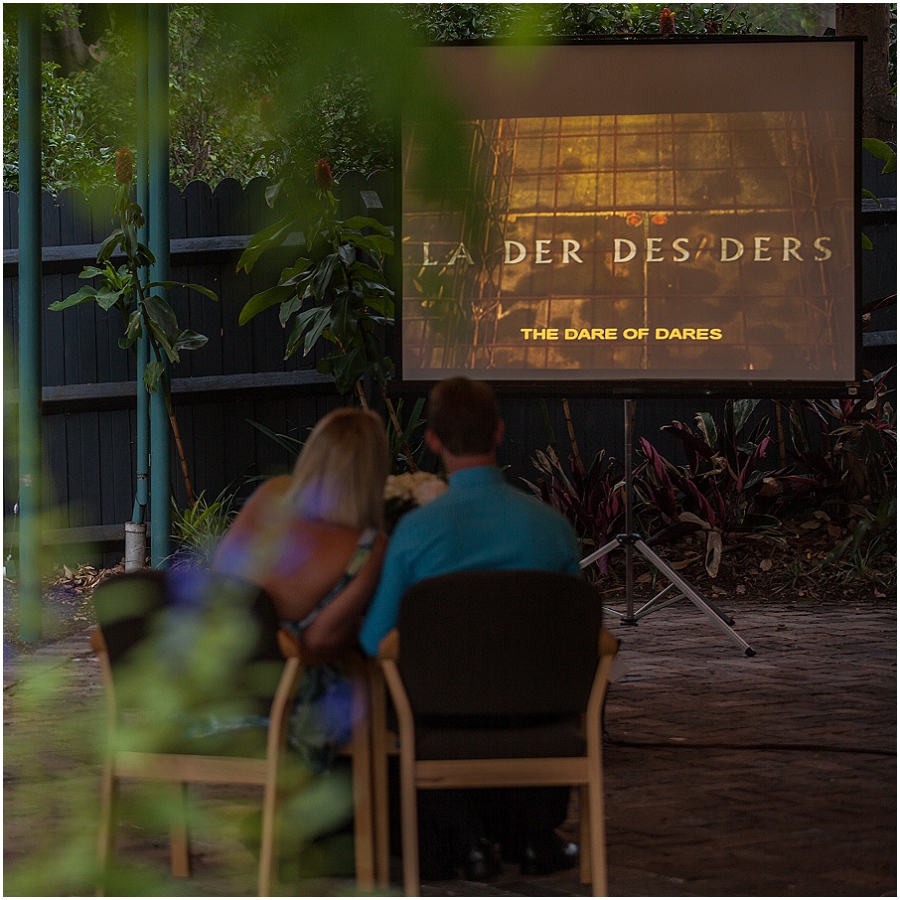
{"x": 407, "y": 491}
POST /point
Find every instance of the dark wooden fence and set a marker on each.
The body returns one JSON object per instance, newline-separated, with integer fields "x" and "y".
{"x": 241, "y": 376}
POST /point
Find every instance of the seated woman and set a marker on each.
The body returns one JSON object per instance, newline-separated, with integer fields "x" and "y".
{"x": 313, "y": 541}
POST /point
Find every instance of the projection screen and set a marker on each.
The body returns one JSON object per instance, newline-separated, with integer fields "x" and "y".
{"x": 638, "y": 213}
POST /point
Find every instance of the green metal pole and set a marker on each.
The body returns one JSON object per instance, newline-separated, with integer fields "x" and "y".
{"x": 158, "y": 118}
{"x": 142, "y": 493}
{"x": 30, "y": 309}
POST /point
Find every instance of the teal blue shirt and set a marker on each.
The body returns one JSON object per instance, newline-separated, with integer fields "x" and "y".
{"x": 480, "y": 522}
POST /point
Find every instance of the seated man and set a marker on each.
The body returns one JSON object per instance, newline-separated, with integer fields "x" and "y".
{"x": 480, "y": 522}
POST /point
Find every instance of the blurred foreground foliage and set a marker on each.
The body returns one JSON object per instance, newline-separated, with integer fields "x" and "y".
{"x": 327, "y": 74}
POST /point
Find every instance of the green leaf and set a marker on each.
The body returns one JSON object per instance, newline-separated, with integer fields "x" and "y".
{"x": 263, "y": 300}
{"x": 324, "y": 274}
{"x": 296, "y": 272}
{"x": 883, "y": 151}
{"x": 152, "y": 373}
{"x": 869, "y": 195}
{"x": 190, "y": 340}
{"x": 144, "y": 256}
{"x": 264, "y": 240}
{"x": 288, "y": 308}
{"x": 367, "y": 273}
{"x": 866, "y": 244}
{"x": 322, "y": 322}
{"x": 134, "y": 329}
{"x": 107, "y": 299}
{"x": 160, "y": 314}
{"x": 91, "y": 272}
{"x": 376, "y": 243}
{"x": 347, "y": 253}
{"x": 357, "y": 223}
{"x": 168, "y": 285}
{"x": 80, "y": 296}
{"x": 162, "y": 339}
{"x": 381, "y": 304}
{"x": 108, "y": 247}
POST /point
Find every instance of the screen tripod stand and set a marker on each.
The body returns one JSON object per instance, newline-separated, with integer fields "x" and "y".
{"x": 631, "y": 542}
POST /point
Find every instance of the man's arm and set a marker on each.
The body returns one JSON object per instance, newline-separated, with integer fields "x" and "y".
{"x": 395, "y": 579}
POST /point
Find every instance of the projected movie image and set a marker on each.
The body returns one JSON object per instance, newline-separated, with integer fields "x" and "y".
{"x": 682, "y": 245}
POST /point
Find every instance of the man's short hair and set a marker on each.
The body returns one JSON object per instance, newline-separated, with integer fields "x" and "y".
{"x": 464, "y": 415}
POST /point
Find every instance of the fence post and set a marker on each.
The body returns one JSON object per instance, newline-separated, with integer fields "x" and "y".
{"x": 158, "y": 139}
{"x": 30, "y": 315}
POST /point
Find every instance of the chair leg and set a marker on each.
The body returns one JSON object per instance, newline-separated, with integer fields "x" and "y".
{"x": 598, "y": 831}
{"x": 179, "y": 836}
{"x": 106, "y": 837}
{"x": 584, "y": 827}
{"x": 363, "y": 841}
{"x": 268, "y": 845}
{"x": 409, "y": 824}
{"x": 380, "y": 811}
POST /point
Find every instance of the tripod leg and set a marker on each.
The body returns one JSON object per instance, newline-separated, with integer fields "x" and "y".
{"x": 717, "y": 616}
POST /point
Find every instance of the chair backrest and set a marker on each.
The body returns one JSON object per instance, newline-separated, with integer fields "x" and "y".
{"x": 507, "y": 643}
{"x": 162, "y": 621}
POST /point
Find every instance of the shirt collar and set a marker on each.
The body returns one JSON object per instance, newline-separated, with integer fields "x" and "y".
{"x": 476, "y": 476}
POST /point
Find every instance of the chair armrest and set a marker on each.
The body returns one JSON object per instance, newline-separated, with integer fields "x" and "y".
{"x": 389, "y": 648}
{"x": 98, "y": 642}
{"x": 289, "y": 645}
{"x": 608, "y": 645}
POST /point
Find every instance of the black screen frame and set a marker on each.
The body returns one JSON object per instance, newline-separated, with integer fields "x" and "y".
{"x": 664, "y": 387}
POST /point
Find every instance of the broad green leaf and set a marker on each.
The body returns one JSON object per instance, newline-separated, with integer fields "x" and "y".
{"x": 272, "y": 192}
{"x": 288, "y": 308}
{"x": 144, "y": 256}
{"x": 319, "y": 315}
{"x": 357, "y": 223}
{"x": 322, "y": 322}
{"x": 107, "y": 299}
{"x": 324, "y": 274}
{"x": 263, "y": 300}
{"x": 264, "y": 240}
{"x": 152, "y": 373}
{"x": 377, "y": 243}
{"x": 367, "y": 273}
{"x": 80, "y": 296}
{"x": 883, "y": 151}
{"x": 134, "y": 329}
{"x": 296, "y": 272}
{"x": 168, "y": 285}
{"x": 866, "y": 244}
{"x": 381, "y": 304}
{"x": 159, "y": 313}
{"x": 91, "y": 272}
{"x": 161, "y": 338}
{"x": 347, "y": 253}
{"x": 190, "y": 340}
{"x": 868, "y": 194}
{"x": 108, "y": 247}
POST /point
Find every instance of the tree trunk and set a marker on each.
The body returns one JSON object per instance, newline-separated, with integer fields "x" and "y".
{"x": 872, "y": 20}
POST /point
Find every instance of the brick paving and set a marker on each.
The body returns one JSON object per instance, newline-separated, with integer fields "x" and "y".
{"x": 725, "y": 775}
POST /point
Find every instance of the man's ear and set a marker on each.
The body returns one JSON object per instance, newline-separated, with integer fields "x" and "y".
{"x": 499, "y": 432}
{"x": 433, "y": 442}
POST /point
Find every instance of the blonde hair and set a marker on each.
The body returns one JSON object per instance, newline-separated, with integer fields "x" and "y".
{"x": 340, "y": 474}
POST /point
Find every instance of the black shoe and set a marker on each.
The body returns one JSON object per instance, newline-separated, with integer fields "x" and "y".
{"x": 547, "y": 854}
{"x": 435, "y": 865}
{"x": 480, "y": 861}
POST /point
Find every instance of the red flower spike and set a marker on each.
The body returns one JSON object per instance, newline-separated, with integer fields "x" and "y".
{"x": 667, "y": 21}
{"x": 324, "y": 179}
{"x": 124, "y": 165}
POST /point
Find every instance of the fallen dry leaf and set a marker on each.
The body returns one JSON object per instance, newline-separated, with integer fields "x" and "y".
{"x": 765, "y": 564}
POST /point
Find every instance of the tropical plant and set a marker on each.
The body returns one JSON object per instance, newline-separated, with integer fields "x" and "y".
{"x": 199, "y": 528}
{"x": 854, "y": 455}
{"x": 143, "y": 312}
{"x": 336, "y": 289}
{"x": 873, "y": 536}
{"x": 722, "y": 488}
{"x": 592, "y": 499}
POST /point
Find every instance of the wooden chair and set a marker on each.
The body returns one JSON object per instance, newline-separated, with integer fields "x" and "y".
{"x": 502, "y": 647}
{"x": 135, "y": 638}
